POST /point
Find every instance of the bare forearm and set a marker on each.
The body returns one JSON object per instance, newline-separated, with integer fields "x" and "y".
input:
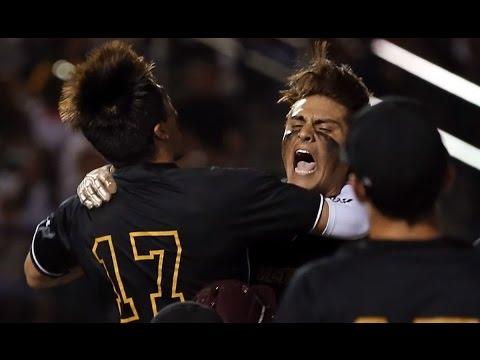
{"x": 37, "y": 280}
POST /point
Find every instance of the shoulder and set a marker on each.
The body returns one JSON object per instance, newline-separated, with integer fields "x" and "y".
{"x": 69, "y": 209}
{"x": 347, "y": 195}
{"x": 71, "y": 203}
{"x": 465, "y": 246}
{"x": 318, "y": 271}
{"x": 236, "y": 176}
{"x": 351, "y": 257}
{"x": 347, "y": 199}
{"x": 214, "y": 171}
{"x": 248, "y": 173}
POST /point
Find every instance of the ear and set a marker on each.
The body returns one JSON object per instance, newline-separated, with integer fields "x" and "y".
{"x": 449, "y": 178}
{"x": 161, "y": 132}
{"x": 358, "y": 188}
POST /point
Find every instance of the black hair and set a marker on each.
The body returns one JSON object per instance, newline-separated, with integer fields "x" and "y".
{"x": 114, "y": 99}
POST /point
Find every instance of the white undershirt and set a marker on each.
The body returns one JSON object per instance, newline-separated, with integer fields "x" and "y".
{"x": 347, "y": 216}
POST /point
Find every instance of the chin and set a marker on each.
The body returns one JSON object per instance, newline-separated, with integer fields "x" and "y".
{"x": 304, "y": 182}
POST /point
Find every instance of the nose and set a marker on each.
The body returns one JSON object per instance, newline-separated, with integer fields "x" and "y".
{"x": 306, "y": 134}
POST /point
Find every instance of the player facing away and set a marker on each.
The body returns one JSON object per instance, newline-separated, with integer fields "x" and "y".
{"x": 170, "y": 231}
{"x": 407, "y": 270}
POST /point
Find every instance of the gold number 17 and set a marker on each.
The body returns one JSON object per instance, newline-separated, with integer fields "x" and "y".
{"x": 126, "y": 305}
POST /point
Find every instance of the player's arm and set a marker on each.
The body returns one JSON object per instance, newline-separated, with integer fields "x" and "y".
{"x": 344, "y": 218}
{"x": 266, "y": 206}
{"x": 37, "y": 280}
{"x": 334, "y": 219}
{"x": 49, "y": 262}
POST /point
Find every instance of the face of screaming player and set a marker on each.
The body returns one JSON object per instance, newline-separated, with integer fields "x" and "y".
{"x": 315, "y": 130}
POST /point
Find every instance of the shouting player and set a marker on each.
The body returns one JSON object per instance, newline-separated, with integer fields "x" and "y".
{"x": 407, "y": 271}
{"x": 322, "y": 95}
{"x": 170, "y": 231}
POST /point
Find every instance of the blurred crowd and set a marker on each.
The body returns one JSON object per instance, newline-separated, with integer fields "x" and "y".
{"x": 228, "y": 112}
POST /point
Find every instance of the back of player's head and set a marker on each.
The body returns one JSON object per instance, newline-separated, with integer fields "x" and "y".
{"x": 186, "y": 312}
{"x": 324, "y": 77}
{"x": 114, "y": 99}
{"x": 395, "y": 150}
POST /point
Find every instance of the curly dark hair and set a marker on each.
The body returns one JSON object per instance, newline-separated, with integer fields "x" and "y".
{"x": 114, "y": 99}
{"x": 324, "y": 77}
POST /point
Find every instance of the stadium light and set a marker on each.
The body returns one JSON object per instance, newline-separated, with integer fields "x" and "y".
{"x": 457, "y": 148}
{"x": 390, "y": 52}
{"x": 427, "y": 71}
{"x": 63, "y": 69}
{"x": 445, "y": 80}
{"x": 461, "y": 150}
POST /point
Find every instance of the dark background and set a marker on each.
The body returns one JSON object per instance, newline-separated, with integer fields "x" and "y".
{"x": 225, "y": 91}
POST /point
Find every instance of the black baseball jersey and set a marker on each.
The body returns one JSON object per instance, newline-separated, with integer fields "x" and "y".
{"x": 388, "y": 281}
{"x": 168, "y": 232}
{"x": 275, "y": 268}
{"x": 273, "y": 263}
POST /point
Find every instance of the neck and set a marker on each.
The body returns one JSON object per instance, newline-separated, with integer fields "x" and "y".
{"x": 336, "y": 186}
{"x": 385, "y": 228}
{"x": 334, "y": 190}
{"x": 162, "y": 156}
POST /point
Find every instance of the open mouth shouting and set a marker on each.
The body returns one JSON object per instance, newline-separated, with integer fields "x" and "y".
{"x": 304, "y": 163}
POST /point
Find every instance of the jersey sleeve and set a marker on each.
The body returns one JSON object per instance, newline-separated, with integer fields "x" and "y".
{"x": 267, "y": 208}
{"x": 50, "y": 249}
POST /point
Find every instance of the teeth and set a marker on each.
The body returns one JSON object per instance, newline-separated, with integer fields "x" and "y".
{"x": 302, "y": 151}
{"x": 304, "y": 167}
{"x": 304, "y": 172}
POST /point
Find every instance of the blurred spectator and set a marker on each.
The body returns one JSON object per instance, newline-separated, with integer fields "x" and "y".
{"x": 41, "y": 103}
{"x": 26, "y": 196}
{"x": 213, "y": 132}
{"x": 77, "y": 158}
{"x": 12, "y": 59}
{"x": 212, "y": 122}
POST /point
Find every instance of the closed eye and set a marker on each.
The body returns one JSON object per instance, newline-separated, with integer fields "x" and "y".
{"x": 296, "y": 121}
{"x": 323, "y": 128}
{"x": 326, "y": 126}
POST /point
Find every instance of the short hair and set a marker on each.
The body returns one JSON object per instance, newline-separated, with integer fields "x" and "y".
{"x": 397, "y": 153}
{"x": 324, "y": 77}
{"x": 114, "y": 99}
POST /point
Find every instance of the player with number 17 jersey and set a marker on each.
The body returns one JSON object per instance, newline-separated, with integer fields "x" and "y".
{"x": 171, "y": 231}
